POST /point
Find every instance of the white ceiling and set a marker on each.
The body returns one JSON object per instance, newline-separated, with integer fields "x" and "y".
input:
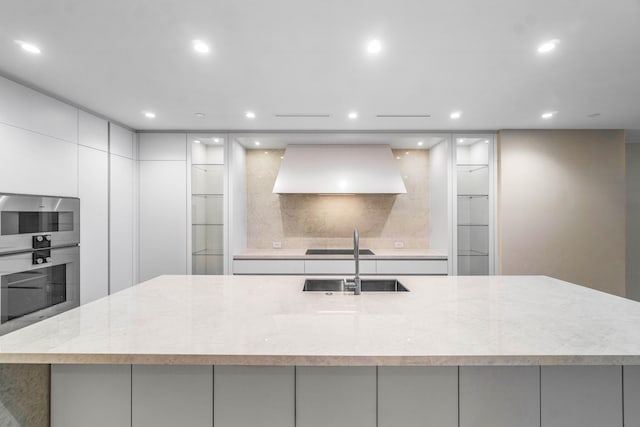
{"x": 120, "y": 57}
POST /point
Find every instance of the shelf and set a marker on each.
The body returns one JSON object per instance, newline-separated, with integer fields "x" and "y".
{"x": 207, "y": 194}
{"x": 471, "y": 252}
{"x": 206, "y": 252}
{"x": 207, "y": 164}
{"x": 473, "y": 225}
{"x": 482, "y": 165}
{"x": 473, "y": 196}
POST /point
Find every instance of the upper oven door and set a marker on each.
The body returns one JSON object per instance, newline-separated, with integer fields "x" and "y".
{"x": 22, "y": 217}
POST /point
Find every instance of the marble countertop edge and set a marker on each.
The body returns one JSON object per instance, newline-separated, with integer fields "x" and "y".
{"x": 317, "y": 360}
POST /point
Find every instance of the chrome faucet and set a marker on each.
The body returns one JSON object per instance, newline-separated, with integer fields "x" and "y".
{"x": 356, "y": 256}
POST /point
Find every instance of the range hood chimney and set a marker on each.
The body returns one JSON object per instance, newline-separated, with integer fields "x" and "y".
{"x": 339, "y": 169}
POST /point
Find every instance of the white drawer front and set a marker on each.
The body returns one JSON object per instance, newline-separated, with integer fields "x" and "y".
{"x": 268, "y": 266}
{"x": 418, "y": 267}
{"x": 338, "y": 266}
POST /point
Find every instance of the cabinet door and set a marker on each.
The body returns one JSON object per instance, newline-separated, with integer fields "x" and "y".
{"x": 581, "y": 396}
{"x": 172, "y": 396}
{"x": 413, "y": 396}
{"x": 122, "y": 180}
{"x": 254, "y": 396}
{"x": 341, "y": 266}
{"x": 90, "y": 395}
{"x": 271, "y": 266}
{"x": 412, "y": 267}
{"x": 94, "y": 223}
{"x": 163, "y": 218}
{"x": 631, "y": 395}
{"x": 336, "y": 396}
{"x": 499, "y": 396}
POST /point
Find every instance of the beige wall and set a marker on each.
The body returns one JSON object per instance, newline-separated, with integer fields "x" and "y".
{"x": 633, "y": 219}
{"x": 562, "y": 206}
{"x": 304, "y": 221}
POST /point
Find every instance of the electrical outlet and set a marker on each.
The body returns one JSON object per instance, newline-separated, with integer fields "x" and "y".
{"x": 398, "y": 245}
{"x": 276, "y": 245}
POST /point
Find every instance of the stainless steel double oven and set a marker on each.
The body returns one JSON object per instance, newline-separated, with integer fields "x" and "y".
{"x": 39, "y": 258}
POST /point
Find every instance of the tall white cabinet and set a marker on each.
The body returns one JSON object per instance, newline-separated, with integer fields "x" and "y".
{"x": 123, "y": 202}
{"x": 93, "y": 190}
{"x": 163, "y": 204}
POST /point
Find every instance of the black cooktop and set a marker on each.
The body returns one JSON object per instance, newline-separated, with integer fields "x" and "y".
{"x": 337, "y": 252}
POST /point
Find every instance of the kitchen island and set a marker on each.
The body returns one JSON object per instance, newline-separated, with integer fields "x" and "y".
{"x": 256, "y": 350}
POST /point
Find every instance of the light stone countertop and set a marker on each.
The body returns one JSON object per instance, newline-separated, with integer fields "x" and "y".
{"x": 268, "y": 320}
{"x": 414, "y": 254}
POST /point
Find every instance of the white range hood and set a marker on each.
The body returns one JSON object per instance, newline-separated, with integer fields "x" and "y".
{"x": 339, "y": 169}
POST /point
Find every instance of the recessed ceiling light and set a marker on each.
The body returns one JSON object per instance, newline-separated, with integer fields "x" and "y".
{"x": 149, "y": 114}
{"x": 353, "y": 115}
{"x": 31, "y": 48}
{"x": 398, "y": 158}
{"x": 486, "y": 141}
{"x": 374, "y": 46}
{"x": 257, "y": 143}
{"x": 266, "y": 152}
{"x": 420, "y": 143}
{"x": 250, "y": 115}
{"x": 200, "y": 46}
{"x": 199, "y": 115}
{"x": 548, "y": 114}
{"x": 456, "y": 115}
{"x": 281, "y": 157}
{"x": 197, "y": 141}
{"x": 216, "y": 140}
{"x": 547, "y": 46}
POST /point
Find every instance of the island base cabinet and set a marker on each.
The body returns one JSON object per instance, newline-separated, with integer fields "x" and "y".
{"x": 90, "y": 395}
{"x": 168, "y": 396}
{"x": 499, "y": 396}
{"x": 336, "y": 396}
{"x": 631, "y": 376}
{"x": 254, "y": 396}
{"x": 582, "y": 396}
{"x": 413, "y": 396}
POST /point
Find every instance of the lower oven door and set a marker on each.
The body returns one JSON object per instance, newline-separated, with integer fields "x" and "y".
{"x": 32, "y": 291}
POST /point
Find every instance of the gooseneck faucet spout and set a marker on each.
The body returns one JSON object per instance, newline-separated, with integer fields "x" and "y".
{"x": 356, "y": 256}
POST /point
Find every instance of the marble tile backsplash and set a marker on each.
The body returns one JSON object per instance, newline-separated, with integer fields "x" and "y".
{"x": 304, "y": 221}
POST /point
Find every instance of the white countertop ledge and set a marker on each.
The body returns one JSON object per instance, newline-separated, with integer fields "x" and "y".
{"x": 268, "y": 320}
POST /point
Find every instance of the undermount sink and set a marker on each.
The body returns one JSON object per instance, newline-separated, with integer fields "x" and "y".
{"x": 368, "y": 285}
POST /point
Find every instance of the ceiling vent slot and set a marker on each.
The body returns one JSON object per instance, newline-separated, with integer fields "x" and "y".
{"x": 403, "y": 116}
{"x": 302, "y": 115}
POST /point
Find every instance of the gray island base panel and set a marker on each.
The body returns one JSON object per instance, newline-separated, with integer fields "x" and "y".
{"x": 256, "y": 350}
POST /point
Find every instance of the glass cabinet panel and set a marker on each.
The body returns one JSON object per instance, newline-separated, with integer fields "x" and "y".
{"x": 473, "y": 214}
{"x": 207, "y": 204}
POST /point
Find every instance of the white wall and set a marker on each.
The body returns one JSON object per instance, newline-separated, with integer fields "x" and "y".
{"x": 163, "y": 204}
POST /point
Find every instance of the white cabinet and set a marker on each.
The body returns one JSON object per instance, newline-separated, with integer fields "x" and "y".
{"x": 25, "y": 108}
{"x": 412, "y": 267}
{"x": 168, "y": 396}
{"x": 268, "y": 266}
{"x": 163, "y": 205}
{"x": 337, "y": 396}
{"x": 23, "y": 153}
{"x": 93, "y": 131}
{"x": 254, "y": 396}
{"x": 93, "y": 189}
{"x": 90, "y": 395}
{"x": 582, "y": 396}
{"x": 123, "y": 182}
{"x": 338, "y": 266}
{"x": 417, "y": 396}
{"x": 499, "y": 396}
